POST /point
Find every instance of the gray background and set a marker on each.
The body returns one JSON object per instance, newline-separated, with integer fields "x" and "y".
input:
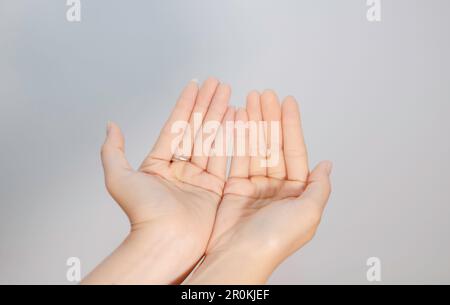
{"x": 375, "y": 100}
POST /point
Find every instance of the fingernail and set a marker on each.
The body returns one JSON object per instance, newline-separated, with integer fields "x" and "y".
{"x": 329, "y": 167}
{"x": 108, "y": 127}
{"x": 195, "y": 80}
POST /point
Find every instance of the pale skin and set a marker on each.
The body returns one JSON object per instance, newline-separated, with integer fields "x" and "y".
{"x": 242, "y": 224}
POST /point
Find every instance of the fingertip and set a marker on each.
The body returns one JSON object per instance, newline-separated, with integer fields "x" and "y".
{"x": 225, "y": 87}
{"x": 290, "y": 109}
{"x": 111, "y": 128}
{"x": 108, "y": 127}
{"x": 212, "y": 81}
{"x": 290, "y": 97}
{"x": 189, "y": 93}
{"x": 241, "y": 114}
{"x": 114, "y": 135}
{"x": 253, "y": 100}
{"x": 252, "y": 94}
{"x": 326, "y": 166}
{"x": 270, "y": 106}
{"x": 321, "y": 171}
{"x": 222, "y": 92}
{"x": 318, "y": 189}
{"x": 193, "y": 83}
{"x": 269, "y": 95}
{"x": 268, "y": 92}
{"x": 290, "y": 102}
{"x": 229, "y": 115}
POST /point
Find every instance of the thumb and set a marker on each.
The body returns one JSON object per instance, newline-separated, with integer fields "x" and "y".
{"x": 318, "y": 188}
{"x": 113, "y": 154}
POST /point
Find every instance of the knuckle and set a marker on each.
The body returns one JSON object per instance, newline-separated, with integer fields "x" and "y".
{"x": 294, "y": 153}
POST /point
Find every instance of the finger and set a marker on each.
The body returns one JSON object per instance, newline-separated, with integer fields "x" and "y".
{"x": 294, "y": 147}
{"x": 202, "y": 103}
{"x": 168, "y": 139}
{"x": 214, "y": 115}
{"x": 271, "y": 112}
{"x": 318, "y": 188}
{"x": 114, "y": 162}
{"x": 257, "y": 137}
{"x": 217, "y": 164}
{"x": 240, "y": 163}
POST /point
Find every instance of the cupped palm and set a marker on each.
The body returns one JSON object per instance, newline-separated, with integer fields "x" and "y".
{"x": 173, "y": 198}
{"x": 271, "y": 210}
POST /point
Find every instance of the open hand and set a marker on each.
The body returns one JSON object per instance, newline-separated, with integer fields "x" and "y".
{"x": 267, "y": 212}
{"x": 171, "y": 200}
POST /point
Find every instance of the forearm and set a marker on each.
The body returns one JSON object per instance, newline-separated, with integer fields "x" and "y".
{"x": 232, "y": 268}
{"x": 144, "y": 258}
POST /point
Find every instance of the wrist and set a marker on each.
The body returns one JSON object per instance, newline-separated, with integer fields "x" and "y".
{"x": 235, "y": 266}
{"x": 147, "y": 256}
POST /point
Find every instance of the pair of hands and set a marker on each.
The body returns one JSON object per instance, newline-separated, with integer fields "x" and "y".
{"x": 243, "y": 225}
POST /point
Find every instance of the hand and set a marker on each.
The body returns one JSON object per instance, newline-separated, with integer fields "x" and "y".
{"x": 266, "y": 213}
{"x": 171, "y": 204}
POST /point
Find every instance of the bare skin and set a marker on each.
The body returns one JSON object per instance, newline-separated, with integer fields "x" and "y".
{"x": 181, "y": 211}
{"x": 171, "y": 205}
{"x": 266, "y": 213}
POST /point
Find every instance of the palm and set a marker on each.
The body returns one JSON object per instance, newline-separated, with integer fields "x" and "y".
{"x": 185, "y": 200}
{"x": 155, "y": 194}
{"x": 260, "y": 221}
{"x": 172, "y": 196}
{"x": 264, "y": 208}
